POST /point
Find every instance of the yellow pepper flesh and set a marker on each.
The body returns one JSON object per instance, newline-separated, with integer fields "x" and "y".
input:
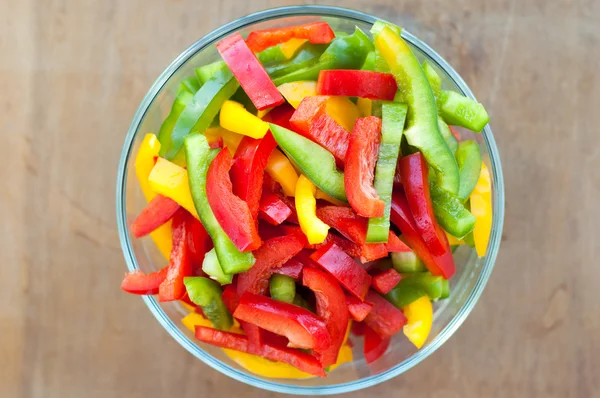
{"x": 419, "y": 315}
{"x": 454, "y": 241}
{"x": 236, "y": 118}
{"x": 170, "y": 180}
{"x": 306, "y": 207}
{"x": 365, "y": 106}
{"x": 343, "y": 111}
{"x": 280, "y": 168}
{"x": 290, "y": 47}
{"x": 295, "y": 92}
{"x": 322, "y": 195}
{"x": 481, "y": 208}
{"x": 231, "y": 140}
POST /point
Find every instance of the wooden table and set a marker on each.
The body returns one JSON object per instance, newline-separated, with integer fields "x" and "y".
{"x": 72, "y": 74}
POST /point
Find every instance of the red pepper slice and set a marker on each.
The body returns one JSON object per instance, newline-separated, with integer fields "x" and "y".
{"x": 415, "y": 172}
{"x": 272, "y": 254}
{"x": 395, "y": 245}
{"x": 312, "y": 121}
{"x": 160, "y": 210}
{"x": 359, "y": 167}
{"x": 270, "y": 185}
{"x": 358, "y": 309}
{"x": 386, "y": 281}
{"x": 231, "y": 300}
{"x": 249, "y": 72}
{"x": 401, "y": 216}
{"x": 315, "y": 32}
{"x": 357, "y": 83}
{"x": 273, "y": 209}
{"x": 374, "y": 345}
{"x": 351, "y": 248}
{"x": 136, "y": 282}
{"x": 248, "y": 169}
{"x": 199, "y": 243}
{"x": 180, "y": 266}
{"x": 397, "y": 177}
{"x": 358, "y": 328}
{"x": 281, "y": 115}
{"x": 331, "y": 308}
{"x": 230, "y": 297}
{"x": 293, "y": 268}
{"x": 302, "y": 328}
{"x": 232, "y": 212}
{"x": 343, "y": 267}
{"x": 455, "y": 133}
{"x": 384, "y": 318}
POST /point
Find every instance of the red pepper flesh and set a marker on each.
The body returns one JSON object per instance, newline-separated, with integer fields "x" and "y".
{"x": 160, "y": 210}
{"x": 249, "y": 72}
{"x": 180, "y": 266}
{"x": 199, "y": 243}
{"x": 137, "y": 282}
{"x": 292, "y": 268}
{"x": 385, "y": 281}
{"x": 316, "y": 33}
{"x": 273, "y": 209}
{"x": 374, "y": 345}
{"x": 395, "y": 245}
{"x": 384, "y": 318}
{"x": 232, "y": 212}
{"x": 281, "y": 115}
{"x": 358, "y": 309}
{"x": 357, "y": 83}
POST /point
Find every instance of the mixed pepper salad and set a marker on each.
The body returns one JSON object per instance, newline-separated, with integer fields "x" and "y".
{"x": 307, "y": 186}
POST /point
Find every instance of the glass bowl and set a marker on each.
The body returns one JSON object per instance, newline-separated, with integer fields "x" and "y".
{"x": 466, "y": 286}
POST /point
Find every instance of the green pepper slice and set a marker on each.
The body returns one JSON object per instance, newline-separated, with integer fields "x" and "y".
{"x": 206, "y": 293}
{"x": 189, "y": 84}
{"x": 414, "y": 286}
{"x": 468, "y": 157}
{"x": 407, "y": 262}
{"x": 451, "y": 213}
{"x": 282, "y": 288}
{"x": 213, "y": 269}
{"x": 164, "y": 134}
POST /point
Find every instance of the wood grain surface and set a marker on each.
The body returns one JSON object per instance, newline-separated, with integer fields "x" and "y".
{"x": 72, "y": 74}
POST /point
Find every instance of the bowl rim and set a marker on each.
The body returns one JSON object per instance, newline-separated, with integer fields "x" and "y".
{"x": 175, "y": 332}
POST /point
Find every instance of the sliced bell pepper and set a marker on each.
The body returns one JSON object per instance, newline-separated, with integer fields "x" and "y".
{"x": 160, "y": 210}
{"x": 415, "y": 285}
{"x": 343, "y": 111}
{"x": 166, "y": 129}
{"x": 395, "y": 244}
{"x": 199, "y": 157}
{"x": 292, "y": 268}
{"x": 236, "y": 118}
{"x": 422, "y": 130}
{"x": 189, "y": 84}
{"x": 232, "y": 213}
{"x": 247, "y": 172}
{"x": 282, "y": 288}
{"x": 282, "y": 171}
{"x": 315, "y": 32}
{"x": 359, "y": 170}
{"x": 434, "y": 79}
{"x": 349, "y": 247}
{"x": 207, "y": 294}
{"x": 180, "y": 266}
{"x": 384, "y": 318}
{"x": 213, "y": 269}
{"x": 306, "y": 55}
{"x": 358, "y": 309}
{"x": 419, "y": 315}
{"x": 374, "y": 345}
{"x": 312, "y": 121}
{"x": 170, "y": 180}
{"x": 230, "y": 139}
{"x": 274, "y": 253}
{"x": 249, "y": 72}
{"x": 331, "y": 307}
{"x": 295, "y": 92}
{"x": 385, "y": 281}
{"x": 323, "y": 196}
{"x": 401, "y": 216}
{"x": 462, "y": 111}
{"x": 369, "y": 63}
{"x": 448, "y": 136}
{"x": 415, "y": 179}
{"x": 481, "y": 207}
{"x": 273, "y": 210}
{"x": 468, "y": 157}
{"x": 343, "y": 267}
{"x": 393, "y": 118}
{"x": 302, "y": 328}
{"x": 317, "y": 163}
{"x": 291, "y": 47}
{"x": 136, "y": 282}
{"x": 365, "y": 106}
{"x": 306, "y": 207}
{"x": 357, "y": 83}
{"x": 451, "y": 213}
{"x": 280, "y": 115}
{"x": 407, "y": 262}
{"x": 199, "y": 243}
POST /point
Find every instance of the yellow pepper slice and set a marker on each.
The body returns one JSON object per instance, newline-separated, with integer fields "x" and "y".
{"x": 280, "y": 168}
{"x": 306, "y": 206}
{"x": 290, "y": 47}
{"x": 419, "y": 315}
{"x": 481, "y": 208}
{"x": 322, "y": 195}
{"x": 343, "y": 111}
{"x": 144, "y": 163}
{"x": 454, "y": 241}
{"x": 295, "y": 92}
{"x": 365, "y": 106}
{"x": 236, "y": 118}
{"x": 170, "y": 180}
{"x": 231, "y": 140}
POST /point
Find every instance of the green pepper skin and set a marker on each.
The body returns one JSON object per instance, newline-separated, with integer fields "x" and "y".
{"x": 206, "y": 293}
{"x": 468, "y": 157}
{"x": 451, "y": 213}
{"x": 414, "y": 286}
{"x": 458, "y": 110}
{"x": 407, "y": 262}
{"x": 213, "y": 269}
{"x": 164, "y": 134}
{"x": 282, "y": 288}
{"x": 306, "y": 56}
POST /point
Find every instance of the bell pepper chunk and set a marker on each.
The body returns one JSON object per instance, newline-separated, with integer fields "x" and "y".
{"x": 306, "y": 207}
{"x": 292, "y": 268}
{"x": 385, "y": 281}
{"x": 274, "y": 210}
{"x": 358, "y": 309}
{"x": 295, "y": 92}
{"x": 481, "y": 207}
{"x": 395, "y": 245}
{"x": 317, "y": 163}
{"x": 166, "y": 128}
{"x": 274, "y": 253}
{"x": 359, "y": 170}
{"x": 249, "y": 72}
{"x": 385, "y": 319}
{"x": 230, "y": 139}
{"x": 206, "y": 293}
{"x": 468, "y": 157}
{"x": 331, "y": 308}
{"x": 136, "y": 282}
{"x": 315, "y": 32}
{"x": 374, "y": 345}
{"x": 280, "y": 115}
{"x": 282, "y": 171}
{"x": 302, "y": 328}
{"x": 419, "y": 317}
{"x": 199, "y": 243}
{"x": 282, "y": 288}
{"x": 462, "y": 111}
{"x": 236, "y": 118}
{"x": 343, "y": 111}
{"x": 343, "y": 267}
{"x": 422, "y": 129}
{"x": 415, "y": 179}
{"x": 312, "y": 121}
{"x": 180, "y": 266}
{"x": 357, "y": 83}
{"x": 171, "y": 181}
{"x": 401, "y": 216}
{"x": 160, "y": 210}
{"x": 291, "y": 47}
{"x": 199, "y": 157}
{"x": 232, "y": 213}
{"x": 450, "y": 213}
